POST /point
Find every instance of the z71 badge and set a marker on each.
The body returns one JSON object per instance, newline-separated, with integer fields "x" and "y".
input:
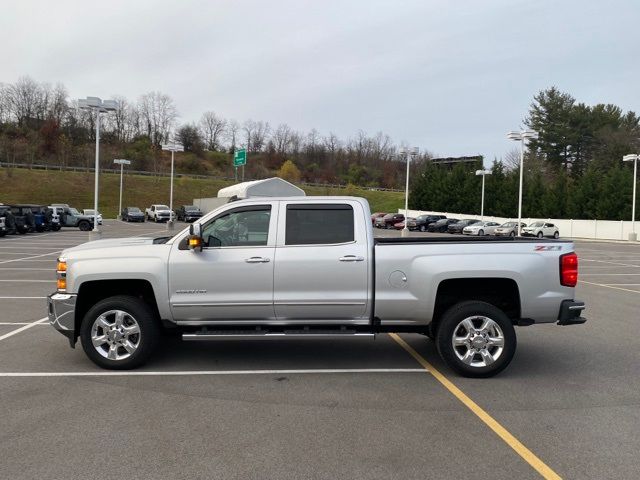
{"x": 547, "y": 248}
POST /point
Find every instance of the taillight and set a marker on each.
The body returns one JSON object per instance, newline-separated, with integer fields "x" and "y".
{"x": 569, "y": 269}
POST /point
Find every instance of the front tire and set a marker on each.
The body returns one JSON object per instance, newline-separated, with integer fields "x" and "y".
{"x": 481, "y": 233}
{"x": 540, "y": 235}
{"x": 119, "y": 333}
{"x": 476, "y": 339}
{"x": 556, "y": 235}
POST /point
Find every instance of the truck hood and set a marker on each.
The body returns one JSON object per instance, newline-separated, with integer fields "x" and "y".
{"x": 113, "y": 242}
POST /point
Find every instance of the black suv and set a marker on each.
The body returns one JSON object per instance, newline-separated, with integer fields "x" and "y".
{"x": 7, "y": 221}
{"x": 188, "y": 213}
{"x": 25, "y": 219}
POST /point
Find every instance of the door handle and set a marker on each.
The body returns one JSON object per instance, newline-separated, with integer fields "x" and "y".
{"x": 351, "y": 258}
{"x": 257, "y": 260}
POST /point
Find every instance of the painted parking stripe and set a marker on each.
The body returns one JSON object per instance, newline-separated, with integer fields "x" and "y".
{"x": 526, "y": 454}
{"x": 28, "y": 281}
{"x": 21, "y": 323}
{"x": 29, "y": 258}
{"x": 609, "y": 286}
{"x": 23, "y": 328}
{"x": 610, "y": 263}
{"x": 21, "y": 298}
{"x": 136, "y": 373}
{"x": 29, "y": 269}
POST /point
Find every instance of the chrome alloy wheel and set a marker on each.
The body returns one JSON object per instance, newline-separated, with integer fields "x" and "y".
{"x": 115, "y": 335}
{"x": 478, "y": 341}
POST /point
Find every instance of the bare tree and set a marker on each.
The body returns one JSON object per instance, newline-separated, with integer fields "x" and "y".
{"x": 233, "y": 127}
{"x": 282, "y": 138}
{"x": 158, "y": 115}
{"x": 24, "y": 99}
{"x": 213, "y": 129}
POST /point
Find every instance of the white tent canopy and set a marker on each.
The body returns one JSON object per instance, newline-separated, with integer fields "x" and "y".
{"x": 269, "y": 187}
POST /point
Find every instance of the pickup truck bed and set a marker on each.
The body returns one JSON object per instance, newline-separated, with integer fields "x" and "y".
{"x": 274, "y": 267}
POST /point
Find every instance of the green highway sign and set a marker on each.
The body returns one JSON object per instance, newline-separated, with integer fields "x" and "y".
{"x": 240, "y": 158}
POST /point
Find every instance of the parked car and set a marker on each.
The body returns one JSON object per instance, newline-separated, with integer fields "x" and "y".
{"x": 89, "y": 213}
{"x": 259, "y": 284}
{"x": 132, "y": 214}
{"x": 158, "y": 213}
{"x": 70, "y": 217}
{"x": 508, "y": 229}
{"x": 188, "y": 213}
{"x": 459, "y": 226}
{"x": 481, "y": 228}
{"x": 442, "y": 225}
{"x": 25, "y": 220}
{"x": 389, "y": 220}
{"x": 43, "y": 217}
{"x": 7, "y": 221}
{"x": 375, "y": 216}
{"x": 411, "y": 224}
{"x": 540, "y": 230}
{"x": 423, "y": 221}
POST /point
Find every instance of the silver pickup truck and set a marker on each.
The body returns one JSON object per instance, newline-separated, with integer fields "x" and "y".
{"x": 310, "y": 267}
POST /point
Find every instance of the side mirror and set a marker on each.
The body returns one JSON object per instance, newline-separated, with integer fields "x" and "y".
{"x": 195, "y": 240}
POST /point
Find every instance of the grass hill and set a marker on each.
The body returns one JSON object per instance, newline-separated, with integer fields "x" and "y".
{"x": 76, "y": 188}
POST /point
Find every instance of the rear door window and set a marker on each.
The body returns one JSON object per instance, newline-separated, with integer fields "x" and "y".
{"x": 319, "y": 224}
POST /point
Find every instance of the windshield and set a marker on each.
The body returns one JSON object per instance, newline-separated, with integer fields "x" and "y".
{"x": 537, "y": 224}
{"x": 191, "y": 208}
{"x": 162, "y": 207}
{"x": 134, "y": 210}
{"x": 508, "y": 224}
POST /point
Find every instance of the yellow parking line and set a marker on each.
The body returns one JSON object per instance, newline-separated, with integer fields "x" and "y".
{"x": 609, "y": 286}
{"x": 526, "y": 454}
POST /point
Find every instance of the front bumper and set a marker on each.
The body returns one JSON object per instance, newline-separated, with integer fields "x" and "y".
{"x": 61, "y": 309}
{"x": 570, "y": 312}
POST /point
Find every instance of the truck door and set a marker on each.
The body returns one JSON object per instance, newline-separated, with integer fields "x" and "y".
{"x": 322, "y": 262}
{"x": 232, "y": 277}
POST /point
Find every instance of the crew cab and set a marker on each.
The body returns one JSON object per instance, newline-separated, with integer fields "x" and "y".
{"x": 309, "y": 267}
{"x": 158, "y": 213}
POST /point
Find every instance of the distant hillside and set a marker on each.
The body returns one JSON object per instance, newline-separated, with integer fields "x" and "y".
{"x": 76, "y": 189}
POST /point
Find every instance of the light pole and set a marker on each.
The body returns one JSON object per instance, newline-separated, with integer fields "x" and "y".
{"x": 484, "y": 173}
{"x": 122, "y": 162}
{"x": 173, "y": 148}
{"x": 100, "y": 106}
{"x": 633, "y": 236}
{"x": 521, "y": 137}
{"x": 412, "y": 152}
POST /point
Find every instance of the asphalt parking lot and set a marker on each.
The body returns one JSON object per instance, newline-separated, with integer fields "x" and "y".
{"x": 568, "y": 406}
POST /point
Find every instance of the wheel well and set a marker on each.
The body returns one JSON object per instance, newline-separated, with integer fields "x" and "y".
{"x": 500, "y": 292}
{"x": 92, "y": 292}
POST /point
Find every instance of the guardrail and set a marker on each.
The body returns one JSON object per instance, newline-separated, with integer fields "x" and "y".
{"x": 69, "y": 168}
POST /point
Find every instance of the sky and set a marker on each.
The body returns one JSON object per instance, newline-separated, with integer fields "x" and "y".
{"x": 451, "y": 77}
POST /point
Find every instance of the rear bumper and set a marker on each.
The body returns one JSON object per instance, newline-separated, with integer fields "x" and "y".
{"x": 570, "y": 313}
{"x": 61, "y": 309}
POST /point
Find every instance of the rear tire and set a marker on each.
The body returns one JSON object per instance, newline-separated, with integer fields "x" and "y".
{"x": 103, "y": 339}
{"x": 484, "y": 337}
